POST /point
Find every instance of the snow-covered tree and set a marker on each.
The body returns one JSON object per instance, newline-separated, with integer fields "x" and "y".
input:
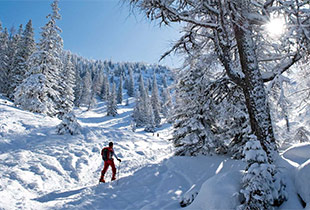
{"x": 120, "y": 90}
{"x": 143, "y": 108}
{"x": 98, "y": 81}
{"x": 151, "y": 124}
{"x": 192, "y": 131}
{"x": 112, "y": 103}
{"x": 166, "y": 102}
{"x": 131, "y": 83}
{"x": 14, "y": 47}
{"x": 88, "y": 96}
{"x": 260, "y": 191}
{"x": 26, "y": 47}
{"x": 104, "y": 89}
{"x": 4, "y": 59}
{"x": 69, "y": 125}
{"x": 67, "y": 84}
{"x": 78, "y": 88}
{"x": 32, "y": 95}
{"x": 45, "y": 65}
{"x": 155, "y": 101}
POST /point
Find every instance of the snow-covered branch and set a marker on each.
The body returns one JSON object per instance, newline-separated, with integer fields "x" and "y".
{"x": 281, "y": 68}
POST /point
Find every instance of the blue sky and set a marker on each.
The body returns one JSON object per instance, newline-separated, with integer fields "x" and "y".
{"x": 97, "y": 29}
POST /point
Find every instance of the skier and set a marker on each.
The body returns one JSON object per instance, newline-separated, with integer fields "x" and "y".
{"x": 107, "y": 154}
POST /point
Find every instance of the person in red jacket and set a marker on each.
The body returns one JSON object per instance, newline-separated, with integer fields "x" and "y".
{"x": 107, "y": 154}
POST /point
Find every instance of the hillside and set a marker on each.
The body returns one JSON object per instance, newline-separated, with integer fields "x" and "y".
{"x": 36, "y": 161}
{"x": 42, "y": 170}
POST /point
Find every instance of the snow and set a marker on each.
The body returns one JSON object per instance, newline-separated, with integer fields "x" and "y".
{"x": 219, "y": 192}
{"x": 302, "y": 182}
{"x": 40, "y": 169}
{"x": 298, "y": 153}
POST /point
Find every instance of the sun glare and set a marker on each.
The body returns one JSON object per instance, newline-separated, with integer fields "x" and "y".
{"x": 276, "y": 27}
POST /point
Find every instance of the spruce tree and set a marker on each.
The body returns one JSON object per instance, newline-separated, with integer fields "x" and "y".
{"x": 4, "y": 59}
{"x": 98, "y": 81}
{"x": 43, "y": 76}
{"x": 67, "y": 86}
{"x": 26, "y": 48}
{"x": 78, "y": 88}
{"x": 14, "y": 48}
{"x": 192, "y": 133}
{"x": 167, "y": 102}
{"x": 131, "y": 84}
{"x": 141, "y": 111}
{"x": 69, "y": 125}
{"x": 155, "y": 101}
{"x": 120, "y": 90}
{"x": 105, "y": 88}
{"x": 259, "y": 188}
{"x": 86, "y": 96}
{"x": 112, "y": 103}
{"x": 149, "y": 116}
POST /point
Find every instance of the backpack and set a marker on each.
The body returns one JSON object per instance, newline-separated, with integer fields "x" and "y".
{"x": 105, "y": 153}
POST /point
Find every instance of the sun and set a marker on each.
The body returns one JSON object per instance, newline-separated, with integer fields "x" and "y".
{"x": 275, "y": 27}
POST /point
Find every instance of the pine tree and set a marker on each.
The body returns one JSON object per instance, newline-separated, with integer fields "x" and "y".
{"x": 4, "y": 59}
{"x": 87, "y": 93}
{"x": 141, "y": 111}
{"x": 78, "y": 88}
{"x": 167, "y": 102}
{"x": 67, "y": 86}
{"x": 155, "y": 102}
{"x": 13, "y": 65}
{"x": 131, "y": 84}
{"x": 149, "y": 116}
{"x": 69, "y": 125}
{"x": 105, "y": 88}
{"x": 26, "y": 48}
{"x": 98, "y": 81}
{"x": 112, "y": 103}
{"x": 259, "y": 188}
{"x": 142, "y": 90}
{"x": 192, "y": 133}
{"x": 120, "y": 90}
{"x": 45, "y": 65}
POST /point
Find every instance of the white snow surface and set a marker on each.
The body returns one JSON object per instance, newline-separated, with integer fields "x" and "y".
{"x": 42, "y": 170}
{"x": 302, "y": 182}
{"x": 219, "y": 192}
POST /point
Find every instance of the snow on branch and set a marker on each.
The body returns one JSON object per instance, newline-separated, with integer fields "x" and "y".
{"x": 161, "y": 9}
{"x": 281, "y": 68}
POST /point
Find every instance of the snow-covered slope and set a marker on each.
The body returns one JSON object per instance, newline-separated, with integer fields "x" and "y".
{"x": 35, "y": 161}
{"x": 42, "y": 170}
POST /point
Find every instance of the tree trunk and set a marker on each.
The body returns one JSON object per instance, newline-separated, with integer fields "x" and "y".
{"x": 253, "y": 87}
